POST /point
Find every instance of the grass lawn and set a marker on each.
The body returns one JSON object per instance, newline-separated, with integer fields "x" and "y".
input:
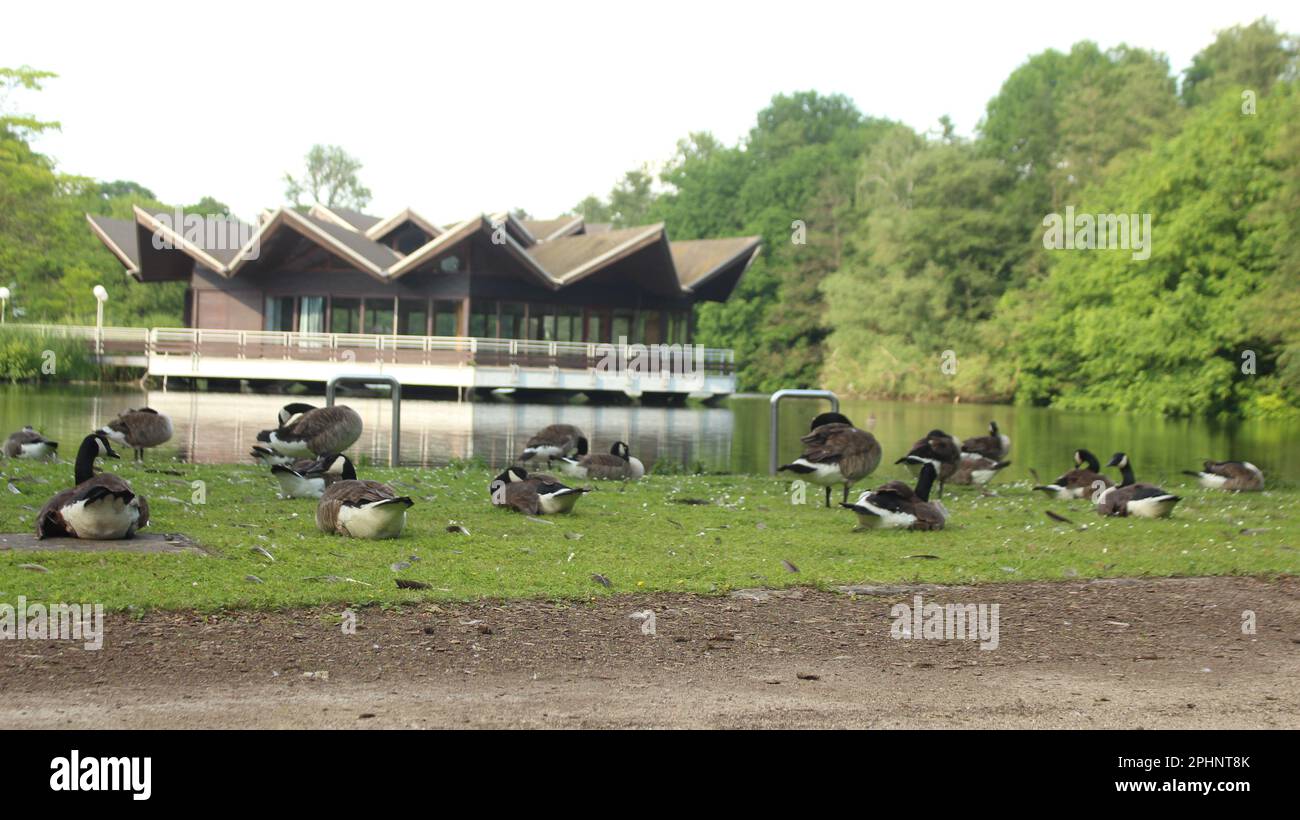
{"x": 638, "y": 536}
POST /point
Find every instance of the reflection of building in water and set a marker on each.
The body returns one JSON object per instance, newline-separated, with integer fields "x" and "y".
{"x": 222, "y": 427}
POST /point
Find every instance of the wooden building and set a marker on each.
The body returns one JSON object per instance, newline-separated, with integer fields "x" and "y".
{"x": 334, "y": 270}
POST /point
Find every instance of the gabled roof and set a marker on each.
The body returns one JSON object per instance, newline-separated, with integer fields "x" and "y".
{"x": 556, "y": 252}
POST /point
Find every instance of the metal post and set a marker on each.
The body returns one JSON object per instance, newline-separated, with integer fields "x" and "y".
{"x": 776, "y": 412}
{"x": 394, "y": 448}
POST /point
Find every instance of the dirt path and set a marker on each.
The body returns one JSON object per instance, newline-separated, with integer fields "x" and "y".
{"x": 1126, "y": 653}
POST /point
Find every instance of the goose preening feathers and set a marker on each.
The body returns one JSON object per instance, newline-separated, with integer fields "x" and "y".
{"x": 534, "y": 494}
{"x": 618, "y": 464}
{"x": 266, "y": 455}
{"x": 1084, "y": 481}
{"x": 937, "y": 448}
{"x": 361, "y": 509}
{"x": 311, "y": 431}
{"x": 554, "y": 441}
{"x": 835, "y": 452}
{"x": 1131, "y": 498}
{"x": 139, "y": 429}
{"x": 27, "y": 443}
{"x": 995, "y": 446}
{"x": 308, "y": 478}
{"x": 897, "y": 506}
{"x": 100, "y": 507}
{"x": 1229, "y": 475}
{"x": 976, "y": 469}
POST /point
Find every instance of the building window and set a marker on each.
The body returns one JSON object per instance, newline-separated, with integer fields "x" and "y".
{"x": 512, "y": 320}
{"x": 278, "y": 313}
{"x": 379, "y": 316}
{"x": 620, "y": 326}
{"x": 345, "y": 315}
{"x": 541, "y": 323}
{"x": 311, "y": 314}
{"x": 649, "y": 330}
{"x": 595, "y": 326}
{"x": 446, "y": 318}
{"x": 413, "y": 317}
{"x": 568, "y": 324}
{"x": 678, "y": 323}
{"x": 483, "y": 320}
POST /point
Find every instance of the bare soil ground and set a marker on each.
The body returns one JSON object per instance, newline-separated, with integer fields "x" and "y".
{"x": 1117, "y": 653}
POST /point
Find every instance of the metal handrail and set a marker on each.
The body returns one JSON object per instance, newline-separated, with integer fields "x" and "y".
{"x": 776, "y": 412}
{"x": 394, "y": 447}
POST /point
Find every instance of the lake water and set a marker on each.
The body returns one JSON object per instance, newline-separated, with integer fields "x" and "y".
{"x": 220, "y": 427}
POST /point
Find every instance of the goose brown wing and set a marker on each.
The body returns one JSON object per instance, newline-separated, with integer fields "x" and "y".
{"x": 327, "y": 429}
{"x": 988, "y": 446}
{"x": 856, "y": 451}
{"x": 557, "y": 435}
{"x": 604, "y": 465}
{"x": 49, "y": 521}
{"x": 522, "y": 496}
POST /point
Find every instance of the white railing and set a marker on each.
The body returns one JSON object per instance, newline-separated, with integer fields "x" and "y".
{"x": 361, "y": 348}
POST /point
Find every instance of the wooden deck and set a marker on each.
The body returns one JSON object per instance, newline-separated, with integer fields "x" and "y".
{"x": 436, "y": 361}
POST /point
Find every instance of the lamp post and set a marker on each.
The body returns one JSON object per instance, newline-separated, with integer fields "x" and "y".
{"x": 4, "y": 304}
{"x": 101, "y": 296}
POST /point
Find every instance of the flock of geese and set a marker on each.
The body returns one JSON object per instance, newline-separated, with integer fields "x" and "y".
{"x": 305, "y": 453}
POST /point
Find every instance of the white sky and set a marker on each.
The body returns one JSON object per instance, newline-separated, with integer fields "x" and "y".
{"x": 461, "y": 108}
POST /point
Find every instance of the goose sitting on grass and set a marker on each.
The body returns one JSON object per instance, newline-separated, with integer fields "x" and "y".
{"x": 1229, "y": 475}
{"x": 533, "y": 495}
{"x": 976, "y": 469}
{"x": 1132, "y": 498}
{"x": 616, "y": 465}
{"x": 1084, "y": 481}
{"x": 361, "y": 509}
{"x": 100, "y": 507}
{"x": 140, "y": 430}
{"x": 897, "y": 506}
{"x": 27, "y": 443}
{"x": 835, "y": 452}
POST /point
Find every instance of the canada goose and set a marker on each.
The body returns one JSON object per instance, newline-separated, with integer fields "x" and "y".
{"x": 100, "y": 507}
{"x": 139, "y": 429}
{"x": 267, "y": 456}
{"x": 897, "y": 506}
{"x": 1131, "y": 498}
{"x": 835, "y": 452}
{"x": 309, "y": 478}
{"x": 27, "y": 443}
{"x": 1229, "y": 475}
{"x": 977, "y": 469}
{"x": 533, "y": 495}
{"x": 937, "y": 448}
{"x": 361, "y": 509}
{"x": 617, "y": 464}
{"x": 1084, "y": 481}
{"x": 554, "y": 441}
{"x": 305, "y": 430}
{"x": 995, "y": 446}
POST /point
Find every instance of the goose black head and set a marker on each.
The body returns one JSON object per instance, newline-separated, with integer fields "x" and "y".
{"x": 830, "y": 418}
{"x": 621, "y": 450}
{"x": 511, "y": 475}
{"x": 339, "y": 465}
{"x": 582, "y": 445}
{"x": 296, "y": 409}
{"x": 103, "y": 448}
{"x": 993, "y": 428}
{"x": 937, "y": 433}
{"x": 1082, "y": 457}
{"x": 1119, "y": 460}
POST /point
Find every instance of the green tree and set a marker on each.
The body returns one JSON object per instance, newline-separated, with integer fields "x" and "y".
{"x": 1241, "y": 58}
{"x": 329, "y": 178}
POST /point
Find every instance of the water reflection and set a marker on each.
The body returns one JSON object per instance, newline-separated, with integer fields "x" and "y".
{"x": 220, "y": 427}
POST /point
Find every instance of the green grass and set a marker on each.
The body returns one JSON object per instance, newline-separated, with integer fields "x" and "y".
{"x": 635, "y": 535}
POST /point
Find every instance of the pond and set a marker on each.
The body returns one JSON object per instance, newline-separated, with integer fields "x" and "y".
{"x": 220, "y": 427}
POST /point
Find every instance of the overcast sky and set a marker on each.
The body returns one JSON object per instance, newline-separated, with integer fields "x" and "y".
{"x": 462, "y": 108}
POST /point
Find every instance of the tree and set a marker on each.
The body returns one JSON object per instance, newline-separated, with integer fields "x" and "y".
{"x": 1241, "y": 58}
{"x": 330, "y": 179}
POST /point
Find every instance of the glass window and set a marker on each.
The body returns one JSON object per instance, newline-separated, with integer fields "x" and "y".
{"x": 446, "y": 318}
{"x": 512, "y": 320}
{"x": 345, "y": 315}
{"x": 650, "y": 331}
{"x": 620, "y": 326}
{"x": 311, "y": 314}
{"x": 379, "y": 316}
{"x": 541, "y": 323}
{"x": 483, "y": 320}
{"x": 278, "y": 313}
{"x": 595, "y": 327}
{"x": 413, "y": 317}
